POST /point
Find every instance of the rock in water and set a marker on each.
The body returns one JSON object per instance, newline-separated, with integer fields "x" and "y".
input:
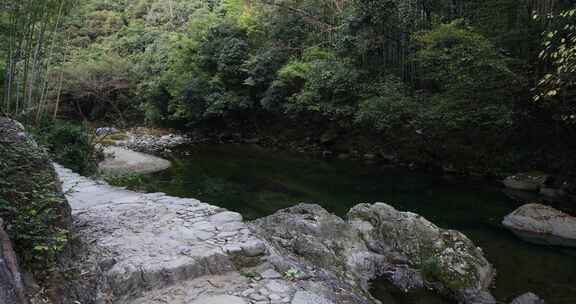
{"x": 528, "y": 298}
{"x": 379, "y": 240}
{"x": 443, "y": 256}
{"x": 542, "y": 224}
{"x": 526, "y": 181}
{"x": 122, "y": 161}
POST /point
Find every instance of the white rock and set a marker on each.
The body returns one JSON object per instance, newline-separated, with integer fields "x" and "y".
{"x": 542, "y": 224}
{"x": 225, "y": 217}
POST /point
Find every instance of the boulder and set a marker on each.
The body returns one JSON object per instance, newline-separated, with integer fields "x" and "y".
{"x": 120, "y": 161}
{"x": 377, "y": 240}
{"x": 445, "y": 258}
{"x": 526, "y": 181}
{"x": 542, "y": 224}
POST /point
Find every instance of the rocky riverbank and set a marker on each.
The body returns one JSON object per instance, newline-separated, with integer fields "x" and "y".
{"x": 153, "y": 248}
{"x": 377, "y": 240}
{"x": 133, "y": 248}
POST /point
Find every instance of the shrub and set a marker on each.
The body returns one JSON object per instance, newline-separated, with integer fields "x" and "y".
{"x": 71, "y": 145}
{"x": 35, "y": 212}
{"x": 388, "y": 107}
{"x": 330, "y": 87}
{"x": 104, "y": 23}
{"x": 468, "y": 82}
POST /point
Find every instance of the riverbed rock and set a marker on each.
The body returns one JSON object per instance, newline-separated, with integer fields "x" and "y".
{"x": 142, "y": 140}
{"x": 526, "y": 181}
{"x": 377, "y": 240}
{"x": 120, "y": 161}
{"x": 528, "y": 298}
{"x": 446, "y": 258}
{"x": 540, "y": 224}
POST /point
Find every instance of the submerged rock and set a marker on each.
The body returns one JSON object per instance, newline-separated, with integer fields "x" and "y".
{"x": 542, "y": 224}
{"x": 377, "y": 240}
{"x": 526, "y": 181}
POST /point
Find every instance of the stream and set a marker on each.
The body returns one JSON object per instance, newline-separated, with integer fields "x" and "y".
{"x": 257, "y": 182}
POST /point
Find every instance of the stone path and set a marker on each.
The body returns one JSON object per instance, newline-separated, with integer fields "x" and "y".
{"x": 154, "y": 248}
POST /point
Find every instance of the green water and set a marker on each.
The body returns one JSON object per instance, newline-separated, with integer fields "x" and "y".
{"x": 256, "y": 183}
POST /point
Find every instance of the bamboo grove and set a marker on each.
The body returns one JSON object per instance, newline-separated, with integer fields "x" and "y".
{"x": 497, "y": 18}
{"x": 30, "y": 36}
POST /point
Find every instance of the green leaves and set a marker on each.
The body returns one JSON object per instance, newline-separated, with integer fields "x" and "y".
{"x": 558, "y": 84}
{"x": 471, "y": 84}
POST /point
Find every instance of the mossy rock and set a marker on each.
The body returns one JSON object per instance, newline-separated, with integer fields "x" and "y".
{"x": 443, "y": 256}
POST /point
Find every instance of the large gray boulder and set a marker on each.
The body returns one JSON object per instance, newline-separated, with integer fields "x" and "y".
{"x": 377, "y": 240}
{"x": 446, "y": 259}
{"x": 306, "y": 236}
{"x": 120, "y": 161}
{"x": 542, "y": 224}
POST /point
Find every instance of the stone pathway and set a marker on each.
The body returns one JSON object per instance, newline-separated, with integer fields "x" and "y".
{"x": 154, "y": 248}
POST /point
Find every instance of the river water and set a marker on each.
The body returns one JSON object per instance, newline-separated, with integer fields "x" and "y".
{"x": 257, "y": 183}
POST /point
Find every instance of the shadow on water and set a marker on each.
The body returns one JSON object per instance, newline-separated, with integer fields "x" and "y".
{"x": 257, "y": 183}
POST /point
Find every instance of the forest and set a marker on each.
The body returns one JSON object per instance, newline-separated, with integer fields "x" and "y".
{"x": 434, "y": 106}
{"x": 484, "y": 86}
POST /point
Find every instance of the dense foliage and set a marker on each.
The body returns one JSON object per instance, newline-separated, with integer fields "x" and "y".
{"x": 453, "y": 79}
{"x": 29, "y": 31}
{"x": 557, "y": 88}
{"x": 71, "y": 145}
{"x": 35, "y": 212}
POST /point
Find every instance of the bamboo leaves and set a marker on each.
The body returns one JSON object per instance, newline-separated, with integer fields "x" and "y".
{"x": 29, "y": 33}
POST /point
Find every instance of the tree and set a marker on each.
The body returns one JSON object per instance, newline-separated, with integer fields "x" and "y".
{"x": 30, "y": 25}
{"x": 468, "y": 83}
{"x": 557, "y": 88}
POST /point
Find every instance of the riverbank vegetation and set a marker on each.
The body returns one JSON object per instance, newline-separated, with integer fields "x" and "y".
{"x": 484, "y": 86}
